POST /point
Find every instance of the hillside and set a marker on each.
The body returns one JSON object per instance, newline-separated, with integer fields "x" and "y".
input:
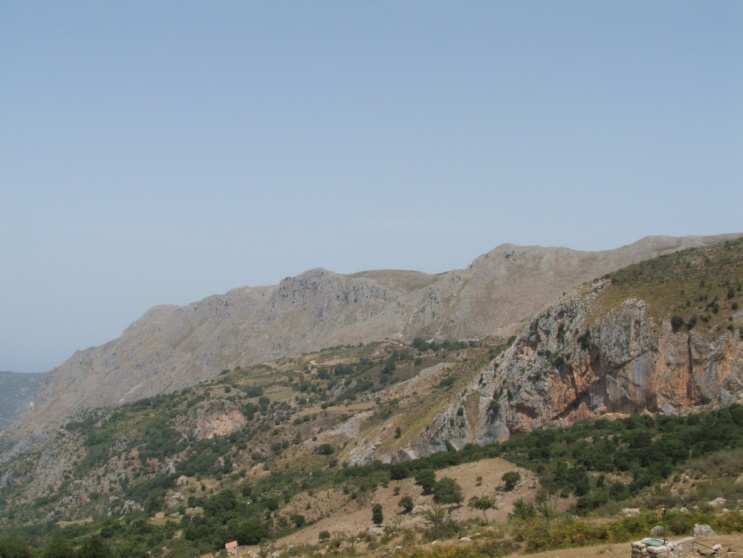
{"x": 543, "y": 490}
{"x": 172, "y": 347}
{"x": 17, "y": 391}
{"x": 244, "y": 421}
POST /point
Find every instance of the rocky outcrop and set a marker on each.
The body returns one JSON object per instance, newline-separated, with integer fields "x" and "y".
{"x": 172, "y": 347}
{"x": 569, "y": 365}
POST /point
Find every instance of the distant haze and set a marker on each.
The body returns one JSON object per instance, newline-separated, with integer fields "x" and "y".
{"x": 159, "y": 153}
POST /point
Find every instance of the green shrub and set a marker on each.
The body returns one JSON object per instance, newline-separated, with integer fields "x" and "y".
{"x": 510, "y": 480}
{"x": 377, "y": 514}
{"x": 447, "y": 491}
{"x": 325, "y": 449}
{"x": 13, "y": 547}
{"x": 426, "y": 479}
{"x": 406, "y": 505}
{"x": 254, "y": 391}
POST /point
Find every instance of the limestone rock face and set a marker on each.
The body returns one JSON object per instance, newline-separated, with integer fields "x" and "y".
{"x": 173, "y": 347}
{"x": 568, "y": 366}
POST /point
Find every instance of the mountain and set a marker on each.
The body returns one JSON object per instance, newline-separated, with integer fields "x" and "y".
{"x": 173, "y": 347}
{"x": 324, "y": 434}
{"x": 17, "y": 392}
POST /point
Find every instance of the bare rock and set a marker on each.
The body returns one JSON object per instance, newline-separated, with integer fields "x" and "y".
{"x": 718, "y": 502}
{"x": 703, "y": 530}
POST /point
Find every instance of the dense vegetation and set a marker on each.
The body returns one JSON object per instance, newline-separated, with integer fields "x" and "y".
{"x": 597, "y": 462}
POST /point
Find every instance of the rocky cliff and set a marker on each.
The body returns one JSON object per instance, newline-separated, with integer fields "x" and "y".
{"x": 664, "y": 337}
{"x": 172, "y": 347}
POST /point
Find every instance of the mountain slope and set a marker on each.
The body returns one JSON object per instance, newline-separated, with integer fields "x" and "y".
{"x": 173, "y": 347}
{"x": 17, "y": 391}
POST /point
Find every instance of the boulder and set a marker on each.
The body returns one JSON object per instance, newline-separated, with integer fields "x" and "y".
{"x": 718, "y": 503}
{"x": 375, "y": 531}
{"x": 703, "y": 530}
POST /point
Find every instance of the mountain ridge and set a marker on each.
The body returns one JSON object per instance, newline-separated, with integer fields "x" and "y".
{"x": 171, "y": 347}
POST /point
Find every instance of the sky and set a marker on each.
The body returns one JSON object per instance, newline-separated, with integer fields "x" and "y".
{"x": 160, "y": 152}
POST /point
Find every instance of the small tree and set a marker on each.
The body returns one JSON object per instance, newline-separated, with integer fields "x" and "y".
{"x": 440, "y": 524}
{"x": 406, "y": 505}
{"x": 94, "y": 548}
{"x": 325, "y": 449}
{"x": 482, "y": 503}
{"x": 510, "y": 480}
{"x": 447, "y": 491}
{"x": 523, "y": 510}
{"x": 324, "y": 536}
{"x": 426, "y": 479}
{"x": 377, "y": 514}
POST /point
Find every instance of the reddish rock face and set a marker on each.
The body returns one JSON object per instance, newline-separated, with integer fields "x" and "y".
{"x": 569, "y": 366}
{"x": 626, "y": 362}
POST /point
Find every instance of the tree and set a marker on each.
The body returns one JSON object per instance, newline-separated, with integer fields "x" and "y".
{"x": 325, "y": 449}
{"x": 440, "y": 524}
{"x": 523, "y": 510}
{"x": 324, "y": 535}
{"x": 377, "y": 514}
{"x": 264, "y": 403}
{"x": 482, "y": 503}
{"x": 510, "y": 480}
{"x": 57, "y": 548}
{"x": 250, "y": 531}
{"x": 677, "y": 322}
{"x": 94, "y": 547}
{"x": 14, "y": 548}
{"x": 426, "y": 479}
{"x": 389, "y": 366}
{"x": 254, "y": 391}
{"x": 406, "y": 504}
{"x": 447, "y": 491}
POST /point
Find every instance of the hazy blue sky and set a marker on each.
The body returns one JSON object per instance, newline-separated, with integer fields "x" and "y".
{"x": 159, "y": 152}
